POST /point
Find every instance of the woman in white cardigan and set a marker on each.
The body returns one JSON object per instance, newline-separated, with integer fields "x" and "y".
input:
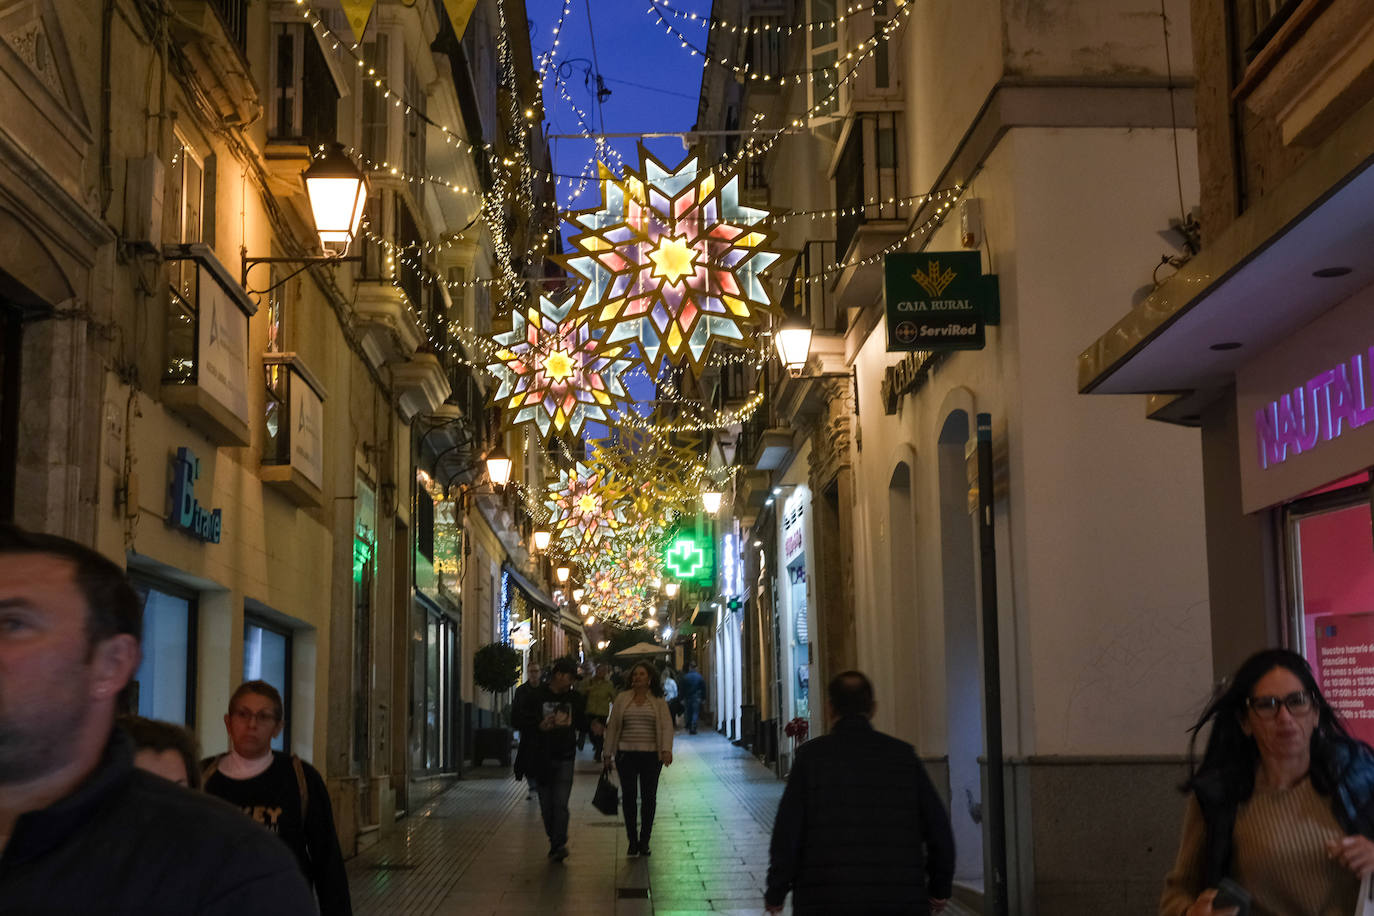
{"x": 639, "y": 740}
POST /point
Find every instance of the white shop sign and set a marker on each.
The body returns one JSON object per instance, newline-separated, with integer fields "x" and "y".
{"x": 307, "y": 426}
{"x": 222, "y": 370}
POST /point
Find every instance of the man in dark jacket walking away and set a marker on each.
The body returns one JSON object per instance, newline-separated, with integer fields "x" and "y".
{"x": 549, "y": 716}
{"x": 693, "y": 692}
{"x": 860, "y": 828}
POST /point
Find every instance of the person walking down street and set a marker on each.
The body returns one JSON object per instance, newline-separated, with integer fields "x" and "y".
{"x": 693, "y": 695}
{"x": 598, "y": 692}
{"x": 1282, "y": 803}
{"x": 82, "y": 830}
{"x": 522, "y": 767}
{"x": 639, "y": 744}
{"x": 549, "y": 716}
{"x": 670, "y": 695}
{"x": 860, "y": 828}
{"x": 280, "y": 791}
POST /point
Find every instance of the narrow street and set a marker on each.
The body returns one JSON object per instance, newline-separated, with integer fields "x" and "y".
{"x": 480, "y": 849}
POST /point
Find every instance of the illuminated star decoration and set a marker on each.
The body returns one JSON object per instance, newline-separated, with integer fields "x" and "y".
{"x": 613, "y": 597}
{"x": 555, "y": 371}
{"x": 672, "y": 261}
{"x": 662, "y": 474}
{"x": 586, "y": 507}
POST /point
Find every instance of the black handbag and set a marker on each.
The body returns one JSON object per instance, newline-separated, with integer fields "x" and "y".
{"x": 607, "y": 796}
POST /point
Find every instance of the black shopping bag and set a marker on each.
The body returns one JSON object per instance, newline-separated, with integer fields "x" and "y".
{"x": 607, "y": 797}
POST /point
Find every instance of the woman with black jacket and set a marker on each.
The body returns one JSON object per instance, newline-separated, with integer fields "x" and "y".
{"x": 1282, "y": 804}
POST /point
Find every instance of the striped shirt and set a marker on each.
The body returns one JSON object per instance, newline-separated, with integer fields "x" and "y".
{"x": 639, "y": 729}
{"x": 1279, "y": 856}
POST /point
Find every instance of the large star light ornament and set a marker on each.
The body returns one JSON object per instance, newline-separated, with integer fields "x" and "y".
{"x": 586, "y": 508}
{"x": 672, "y": 261}
{"x": 556, "y": 371}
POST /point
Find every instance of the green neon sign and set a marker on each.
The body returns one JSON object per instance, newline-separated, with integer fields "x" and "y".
{"x": 689, "y": 559}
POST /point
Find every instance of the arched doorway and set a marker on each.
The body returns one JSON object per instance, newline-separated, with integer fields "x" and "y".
{"x": 902, "y": 642}
{"x": 963, "y": 667}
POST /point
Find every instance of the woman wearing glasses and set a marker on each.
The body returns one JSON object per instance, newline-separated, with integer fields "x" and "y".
{"x": 1282, "y": 804}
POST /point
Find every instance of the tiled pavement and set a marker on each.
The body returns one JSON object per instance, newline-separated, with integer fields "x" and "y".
{"x": 480, "y": 848}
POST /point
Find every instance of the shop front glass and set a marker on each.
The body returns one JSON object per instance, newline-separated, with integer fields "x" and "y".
{"x": 1331, "y": 576}
{"x": 267, "y": 657}
{"x": 434, "y": 640}
{"x": 164, "y": 682}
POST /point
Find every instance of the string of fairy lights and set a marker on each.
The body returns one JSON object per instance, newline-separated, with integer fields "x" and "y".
{"x": 746, "y": 70}
{"x": 670, "y": 425}
{"x": 768, "y": 27}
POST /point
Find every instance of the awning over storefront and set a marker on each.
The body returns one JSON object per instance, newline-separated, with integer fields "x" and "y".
{"x": 534, "y": 595}
{"x": 1299, "y": 251}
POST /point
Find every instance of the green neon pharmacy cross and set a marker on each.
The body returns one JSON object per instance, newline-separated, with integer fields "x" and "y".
{"x": 686, "y": 559}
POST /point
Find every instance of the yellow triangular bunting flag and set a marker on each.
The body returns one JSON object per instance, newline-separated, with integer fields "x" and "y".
{"x": 459, "y": 11}
{"x": 357, "y": 13}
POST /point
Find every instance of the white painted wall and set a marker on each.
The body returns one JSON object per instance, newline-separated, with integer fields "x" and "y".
{"x": 954, "y": 54}
{"x": 1101, "y": 561}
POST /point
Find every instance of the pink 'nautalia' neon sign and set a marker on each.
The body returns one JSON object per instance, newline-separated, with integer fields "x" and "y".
{"x": 1337, "y": 399}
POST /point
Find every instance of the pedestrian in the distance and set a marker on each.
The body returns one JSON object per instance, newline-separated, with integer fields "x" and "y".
{"x": 599, "y": 692}
{"x": 670, "y": 695}
{"x": 639, "y": 739}
{"x": 693, "y": 694}
{"x": 860, "y": 828}
{"x": 280, "y": 791}
{"x": 549, "y": 715}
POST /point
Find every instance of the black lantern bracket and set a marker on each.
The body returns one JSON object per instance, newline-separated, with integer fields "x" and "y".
{"x": 305, "y": 263}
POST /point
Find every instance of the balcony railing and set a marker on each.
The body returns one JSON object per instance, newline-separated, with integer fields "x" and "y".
{"x": 866, "y": 180}
{"x": 234, "y": 15}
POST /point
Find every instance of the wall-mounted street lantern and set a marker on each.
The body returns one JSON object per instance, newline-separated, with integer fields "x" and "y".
{"x": 793, "y": 339}
{"x": 498, "y": 467}
{"x": 338, "y": 191}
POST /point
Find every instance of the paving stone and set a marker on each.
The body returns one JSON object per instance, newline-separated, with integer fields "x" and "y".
{"x": 479, "y": 848}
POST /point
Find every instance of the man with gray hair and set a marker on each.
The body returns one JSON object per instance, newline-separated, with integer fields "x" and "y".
{"x": 81, "y": 829}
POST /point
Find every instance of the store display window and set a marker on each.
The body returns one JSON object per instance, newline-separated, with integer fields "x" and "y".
{"x": 164, "y": 685}
{"x": 267, "y": 657}
{"x": 1330, "y": 546}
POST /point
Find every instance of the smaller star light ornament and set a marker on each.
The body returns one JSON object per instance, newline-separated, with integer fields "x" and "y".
{"x": 586, "y": 508}
{"x": 612, "y": 597}
{"x": 673, "y": 262}
{"x": 660, "y": 476}
{"x": 555, "y": 371}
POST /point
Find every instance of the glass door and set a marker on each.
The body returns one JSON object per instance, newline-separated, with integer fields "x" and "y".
{"x": 1331, "y": 574}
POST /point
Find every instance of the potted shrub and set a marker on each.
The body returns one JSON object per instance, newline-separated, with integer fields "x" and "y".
{"x": 495, "y": 669}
